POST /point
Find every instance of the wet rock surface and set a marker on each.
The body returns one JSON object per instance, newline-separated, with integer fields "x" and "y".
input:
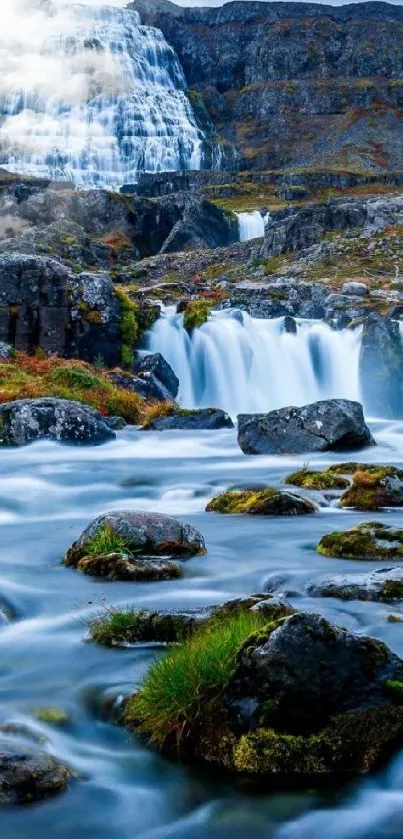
{"x": 170, "y": 626}
{"x": 27, "y": 420}
{"x": 333, "y": 424}
{"x": 380, "y": 585}
{"x": 133, "y": 546}
{"x": 28, "y": 774}
{"x": 206, "y": 419}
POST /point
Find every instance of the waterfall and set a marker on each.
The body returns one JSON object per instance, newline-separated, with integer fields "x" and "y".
{"x": 92, "y": 97}
{"x": 251, "y": 225}
{"x": 247, "y": 365}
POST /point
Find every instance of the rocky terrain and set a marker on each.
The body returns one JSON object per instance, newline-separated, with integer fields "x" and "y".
{"x": 293, "y": 84}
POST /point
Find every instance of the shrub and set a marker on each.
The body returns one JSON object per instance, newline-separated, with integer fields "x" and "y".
{"x": 76, "y": 376}
{"x": 178, "y": 686}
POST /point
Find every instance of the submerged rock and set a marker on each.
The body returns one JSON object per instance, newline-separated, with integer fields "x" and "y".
{"x": 374, "y": 487}
{"x": 119, "y": 628}
{"x": 304, "y": 699}
{"x": 372, "y": 540}
{"x": 380, "y": 585}
{"x": 27, "y": 420}
{"x": 128, "y": 545}
{"x": 28, "y": 774}
{"x": 333, "y": 424}
{"x": 261, "y": 502}
{"x": 317, "y": 480}
{"x": 206, "y": 419}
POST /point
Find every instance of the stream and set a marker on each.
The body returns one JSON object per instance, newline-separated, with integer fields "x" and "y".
{"x": 48, "y": 493}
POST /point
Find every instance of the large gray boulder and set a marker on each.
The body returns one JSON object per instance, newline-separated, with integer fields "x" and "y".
{"x": 27, "y": 420}
{"x": 333, "y": 424}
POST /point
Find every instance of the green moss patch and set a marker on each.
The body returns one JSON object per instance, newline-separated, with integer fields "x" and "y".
{"x": 263, "y": 502}
{"x": 317, "y": 480}
{"x": 372, "y": 540}
{"x": 375, "y": 487}
{"x": 196, "y": 314}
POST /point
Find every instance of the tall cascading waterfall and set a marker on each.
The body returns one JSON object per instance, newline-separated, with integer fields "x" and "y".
{"x": 251, "y": 225}
{"x": 94, "y": 98}
{"x": 246, "y": 365}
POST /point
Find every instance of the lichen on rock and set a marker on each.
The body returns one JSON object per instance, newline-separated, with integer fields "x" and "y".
{"x": 371, "y": 540}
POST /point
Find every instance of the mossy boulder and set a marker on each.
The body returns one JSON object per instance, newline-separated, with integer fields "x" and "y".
{"x": 380, "y": 585}
{"x": 303, "y": 699}
{"x": 261, "y": 502}
{"x": 196, "y": 313}
{"x": 371, "y": 540}
{"x": 128, "y": 545}
{"x": 317, "y": 480}
{"x": 374, "y": 487}
{"x": 121, "y": 628}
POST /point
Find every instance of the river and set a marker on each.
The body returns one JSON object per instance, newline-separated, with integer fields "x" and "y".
{"x": 48, "y": 493}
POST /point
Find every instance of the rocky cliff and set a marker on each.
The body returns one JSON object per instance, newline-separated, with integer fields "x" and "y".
{"x": 294, "y": 84}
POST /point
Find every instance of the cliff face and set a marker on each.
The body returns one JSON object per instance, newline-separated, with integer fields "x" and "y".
{"x": 294, "y": 83}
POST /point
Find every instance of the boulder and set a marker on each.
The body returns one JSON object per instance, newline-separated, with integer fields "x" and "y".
{"x": 380, "y": 585}
{"x": 170, "y": 626}
{"x": 130, "y": 546}
{"x": 206, "y": 419}
{"x": 381, "y": 366}
{"x": 28, "y": 774}
{"x": 300, "y": 699}
{"x": 374, "y": 487}
{"x": 261, "y": 502}
{"x": 371, "y": 540}
{"x": 333, "y": 424}
{"x": 311, "y": 671}
{"x": 356, "y": 289}
{"x": 27, "y": 420}
{"x": 147, "y": 386}
{"x": 156, "y": 365}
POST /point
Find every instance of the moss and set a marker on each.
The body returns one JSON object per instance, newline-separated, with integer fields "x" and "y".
{"x": 394, "y": 689}
{"x": 240, "y": 502}
{"x": 129, "y": 328}
{"x": 266, "y": 501}
{"x": 51, "y": 716}
{"x": 317, "y": 480}
{"x": 371, "y": 540}
{"x": 391, "y": 590}
{"x": 374, "y": 487}
{"x": 76, "y": 376}
{"x": 196, "y": 314}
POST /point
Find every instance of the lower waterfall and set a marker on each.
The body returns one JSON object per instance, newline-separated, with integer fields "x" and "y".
{"x": 251, "y": 225}
{"x": 246, "y": 365}
{"x": 89, "y": 95}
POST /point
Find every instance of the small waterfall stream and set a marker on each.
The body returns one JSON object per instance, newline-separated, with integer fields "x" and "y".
{"x": 251, "y": 225}
{"x": 244, "y": 364}
{"x": 94, "y": 97}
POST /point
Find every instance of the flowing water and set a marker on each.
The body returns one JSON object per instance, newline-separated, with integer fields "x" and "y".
{"x": 48, "y": 493}
{"x": 245, "y": 364}
{"x": 89, "y": 95}
{"x": 251, "y": 225}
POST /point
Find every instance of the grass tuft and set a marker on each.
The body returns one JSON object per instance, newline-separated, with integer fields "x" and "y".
{"x": 106, "y": 541}
{"x": 177, "y": 687}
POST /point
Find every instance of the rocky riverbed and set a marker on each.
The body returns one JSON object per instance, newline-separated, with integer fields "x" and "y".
{"x": 64, "y": 690}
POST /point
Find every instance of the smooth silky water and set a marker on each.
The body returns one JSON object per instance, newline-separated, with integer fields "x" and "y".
{"x": 48, "y": 493}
